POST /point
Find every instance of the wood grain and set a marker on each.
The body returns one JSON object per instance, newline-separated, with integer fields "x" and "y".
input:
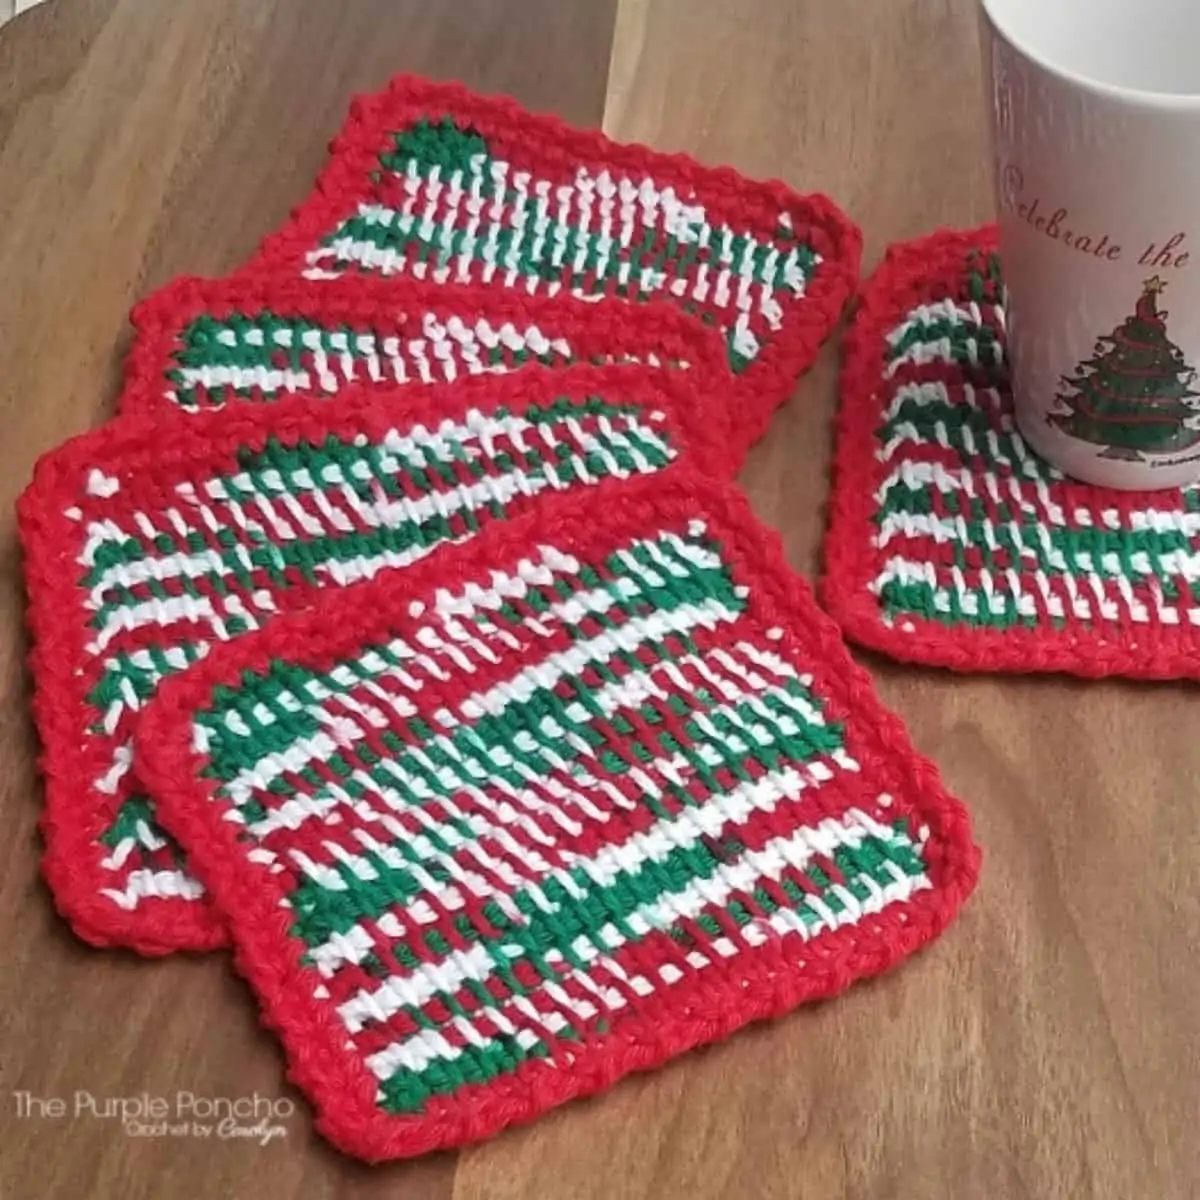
{"x": 1045, "y": 1048}
{"x": 139, "y": 140}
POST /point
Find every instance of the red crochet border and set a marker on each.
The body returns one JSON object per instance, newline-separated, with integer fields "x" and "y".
{"x": 546, "y": 143}
{"x": 341, "y": 1088}
{"x": 593, "y": 330}
{"x": 70, "y": 823}
{"x": 913, "y": 273}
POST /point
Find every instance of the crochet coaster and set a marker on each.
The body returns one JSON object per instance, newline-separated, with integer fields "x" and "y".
{"x": 201, "y": 343}
{"x": 950, "y": 542}
{"x": 146, "y": 543}
{"x": 431, "y": 180}
{"x": 551, "y": 808}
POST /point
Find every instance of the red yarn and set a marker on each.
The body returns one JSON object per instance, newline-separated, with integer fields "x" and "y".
{"x": 759, "y": 981}
{"x": 545, "y": 145}
{"x": 655, "y": 333}
{"x": 924, "y": 272}
{"x": 149, "y": 456}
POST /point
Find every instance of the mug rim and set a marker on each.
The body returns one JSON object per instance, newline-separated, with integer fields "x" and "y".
{"x": 1179, "y": 101}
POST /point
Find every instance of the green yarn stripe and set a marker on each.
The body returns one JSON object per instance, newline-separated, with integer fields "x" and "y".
{"x": 1002, "y": 538}
{"x": 970, "y": 343}
{"x": 134, "y": 821}
{"x": 865, "y": 869}
{"x": 259, "y": 353}
{"x": 1008, "y": 537}
{"x": 963, "y": 428}
{"x": 286, "y": 687}
{"x": 126, "y": 672}
{"x": 954, "y": 607}
{"x": 539, "y": 240}
{"x": 321, "y": 913}
{"x": 461, "y": 754}
{"x": 402, "y": 539}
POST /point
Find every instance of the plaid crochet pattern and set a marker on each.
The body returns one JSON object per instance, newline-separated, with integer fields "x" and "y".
{"x": 431, "y": 180}
{"x": 554, "y": 807}
{"x": 147, "y": 543}
{"x": 950, "y": 542}
{"x": 201, "y": 344}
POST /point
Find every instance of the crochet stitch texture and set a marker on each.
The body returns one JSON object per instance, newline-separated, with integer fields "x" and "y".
{"x": 431, "y": 180}
{"x": 951, "y": 542}
{"x": 149, "y": 543}
{"x": 553, "y": 807}
{"x": 203, "y": 343}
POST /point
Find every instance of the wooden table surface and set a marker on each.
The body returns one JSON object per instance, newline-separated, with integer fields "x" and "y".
{"x": 1046, "y": 1047}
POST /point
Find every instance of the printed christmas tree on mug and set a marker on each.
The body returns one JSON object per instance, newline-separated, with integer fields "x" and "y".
{"x": 1133, "y": 395}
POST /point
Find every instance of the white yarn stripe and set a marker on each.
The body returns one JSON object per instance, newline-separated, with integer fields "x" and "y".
{"x": 951, "y": 530}
{"x": 948, "y": 309}
{"x": 941, "y": 349}
{"x": 966, "y": 395}
{"x": 1091, "y": 598}
{"x": 531, "y": 870}
{"x": 544, "y": 567}
{"x": 1041, "y": 504}
{"x": 1032, "y": 495}
{"x": 166, "y": 612}
{"x": 388, "y": 512}
{"x": 445, "y": 344}
{"x": 146, "y": 839}
{"x": 759, "y": 296}
{"x": 418, "y": 1051}
{"x": 420, "y": 446}
{"x": 905, "y": 434}
{"x": 109, "y": 783}
{"x": 158, "y": 885}
{"x": 545, "y": 674}
{"x": 265, "y": 379}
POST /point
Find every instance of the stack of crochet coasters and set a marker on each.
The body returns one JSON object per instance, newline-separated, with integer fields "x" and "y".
{"x": 950, "y": 542}
{"x": 431, "y": 181}
{"x": 145, "y": 550}
{"x": 536, "y": 275}
{"x": 405, "y": 630}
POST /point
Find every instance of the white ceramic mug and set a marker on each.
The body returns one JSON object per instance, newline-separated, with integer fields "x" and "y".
{"x": 1096, "y": 121}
